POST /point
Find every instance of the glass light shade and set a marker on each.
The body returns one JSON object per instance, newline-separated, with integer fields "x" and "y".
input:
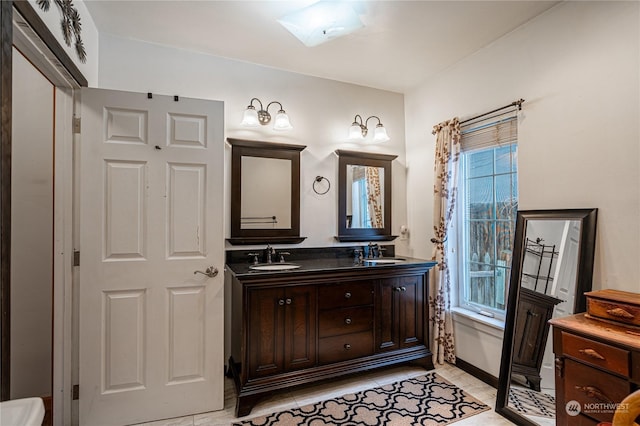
{"x": 322, "y": 21}
{"x": 282, "y": 121}
{"x": 355, "y": 132}
{"x": 250, "y": 117}
{"x": 380, "y": 134}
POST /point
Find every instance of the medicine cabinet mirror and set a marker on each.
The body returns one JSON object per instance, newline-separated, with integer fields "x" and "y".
{"x": 364, "y": 196}
{"x": 265, "y": 192}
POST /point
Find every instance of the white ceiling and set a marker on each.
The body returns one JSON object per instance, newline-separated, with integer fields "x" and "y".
{"x": 403, "y": 42}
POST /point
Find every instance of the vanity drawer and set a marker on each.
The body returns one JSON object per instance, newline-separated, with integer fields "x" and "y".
{"x": 347, "y": 346}
{"x": 595, "y": 353}
{"x": 596, "y": 391}
{"x": 345, "y": 321}
{"x": 345, "y": 294}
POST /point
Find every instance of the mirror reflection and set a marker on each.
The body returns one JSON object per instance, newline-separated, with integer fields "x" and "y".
{"x": 552, "y": 269}
{"x": 365, "y": 198}
{"x": 265, "y": 193}
{"x": 548, "y": 285}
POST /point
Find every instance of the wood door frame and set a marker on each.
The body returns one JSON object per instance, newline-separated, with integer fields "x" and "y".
{"x": 30, "y": 15}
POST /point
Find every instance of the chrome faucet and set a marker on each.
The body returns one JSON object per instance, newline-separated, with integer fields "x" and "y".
{"x": 374, "y": 250}
{"x": 269, "y": 252}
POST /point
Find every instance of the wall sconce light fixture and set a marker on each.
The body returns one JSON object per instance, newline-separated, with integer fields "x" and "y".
{"x": 359, "y": 130}
{"x": 253, "y": 118}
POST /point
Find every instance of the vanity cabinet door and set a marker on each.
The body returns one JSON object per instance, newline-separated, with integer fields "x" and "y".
{"x": 281, "y": 330}
{"x": 300, "y": 327}
{"x": 265, "y": 333}
{"x": 400, "y": 313}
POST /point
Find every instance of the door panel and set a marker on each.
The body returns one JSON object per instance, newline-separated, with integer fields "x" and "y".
{"x": 151, "y": 185}
{"x": 300, "y": 327}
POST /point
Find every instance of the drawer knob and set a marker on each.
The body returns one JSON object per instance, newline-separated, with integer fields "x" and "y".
{"x": 398, "y": 289}
{"x": 591, "y": 353}
{"x": 347, "y": 346}
{"x": 347, "y": 295}
{"x": 403, "y": 288}
{"x": 594, "y": 392}
{"x": 289, "y": 301}
{"x": 620, "y": 313}
{"x": 281, "y": 302}
{"x": 347, "y": 321}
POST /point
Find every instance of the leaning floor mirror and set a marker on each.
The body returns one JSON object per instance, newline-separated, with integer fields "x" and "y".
{"x": 552, "y": 269}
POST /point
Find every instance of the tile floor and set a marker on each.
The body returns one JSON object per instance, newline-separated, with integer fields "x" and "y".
{"x": 309, "y": 394}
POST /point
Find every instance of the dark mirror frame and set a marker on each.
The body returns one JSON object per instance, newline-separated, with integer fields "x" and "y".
{"x": 240, "y": 148}
{"x": 383, "y": 161}
{"x": 584, "y": 278}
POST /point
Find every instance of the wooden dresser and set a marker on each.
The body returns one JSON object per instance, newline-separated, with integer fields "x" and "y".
{"x": 597, "y": 366}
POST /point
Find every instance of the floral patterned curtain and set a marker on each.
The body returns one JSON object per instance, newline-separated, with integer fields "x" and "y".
{"x": 374, "y": 197}
{"x": 445, "y": 188}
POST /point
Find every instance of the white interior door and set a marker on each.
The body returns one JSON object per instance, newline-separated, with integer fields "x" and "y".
{"x": 565, "y": 289}
{"x": 151, "y": 209}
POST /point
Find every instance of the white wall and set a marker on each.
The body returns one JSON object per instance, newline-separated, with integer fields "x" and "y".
{"x": 88, "y": 33}
{"x": 320, "y": 110}
{"x": 577, "y": 67}
{"x": 32, "y": 201}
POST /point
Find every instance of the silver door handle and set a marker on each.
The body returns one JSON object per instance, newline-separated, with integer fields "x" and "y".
{"x": 210, "y": 272}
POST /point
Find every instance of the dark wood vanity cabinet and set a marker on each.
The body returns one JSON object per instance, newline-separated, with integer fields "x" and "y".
{"x": 288, "y": 330}
{"x": 400, "y": 313}
{"x": 281, "y": 327}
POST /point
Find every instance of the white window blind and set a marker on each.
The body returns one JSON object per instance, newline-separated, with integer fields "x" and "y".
{"x": 490, "y": 132}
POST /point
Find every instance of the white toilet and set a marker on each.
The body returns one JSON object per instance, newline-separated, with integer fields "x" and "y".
{"x": 22, "y": 412}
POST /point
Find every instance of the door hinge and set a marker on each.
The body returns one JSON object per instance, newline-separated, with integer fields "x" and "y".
{"x": 76, "y": 258}
{"x": 76, "y": 125}
{"x": 76, "y": 392}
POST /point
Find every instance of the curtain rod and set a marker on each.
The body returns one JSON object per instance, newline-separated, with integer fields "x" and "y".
{"x": 517, "y": 103}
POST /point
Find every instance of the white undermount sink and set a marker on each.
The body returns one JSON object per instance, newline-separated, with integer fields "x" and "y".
{"x": 274, "y": 267}
{"x": 22, "y": 412}
{"x": 388, "y": 260}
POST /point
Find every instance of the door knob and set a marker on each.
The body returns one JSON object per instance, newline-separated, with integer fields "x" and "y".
{"x": 210, "y": 272}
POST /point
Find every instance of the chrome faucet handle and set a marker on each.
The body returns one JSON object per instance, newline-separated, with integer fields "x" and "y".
{"x": 282, "y": 254}
{"x": 255, "y": 257}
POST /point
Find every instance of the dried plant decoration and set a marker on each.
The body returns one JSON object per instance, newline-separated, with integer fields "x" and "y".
{"x": 70, "y": 24}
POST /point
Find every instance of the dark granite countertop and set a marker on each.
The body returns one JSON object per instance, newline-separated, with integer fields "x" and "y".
{"x": 243, "y": 270}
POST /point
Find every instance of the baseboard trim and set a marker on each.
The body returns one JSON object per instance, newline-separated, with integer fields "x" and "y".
{"x": 477, "y": 373}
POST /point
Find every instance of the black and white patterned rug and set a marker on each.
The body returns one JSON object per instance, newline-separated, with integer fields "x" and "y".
{"x": 533, "y": 403}
{"x": 424, "y": 400}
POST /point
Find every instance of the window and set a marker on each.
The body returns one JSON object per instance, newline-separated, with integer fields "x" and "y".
{"x": 486, "y": 215}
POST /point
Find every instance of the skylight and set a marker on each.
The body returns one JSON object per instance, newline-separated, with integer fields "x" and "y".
{"x": 321, "y": 22}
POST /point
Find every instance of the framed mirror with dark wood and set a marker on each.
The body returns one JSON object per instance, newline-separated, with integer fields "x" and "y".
{"x": 364, "y": 196}
{"x": 552, "y": 268}
{"x": 265, "y": 192}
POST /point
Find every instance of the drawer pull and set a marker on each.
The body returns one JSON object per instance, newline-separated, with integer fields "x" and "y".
{"x": 289, "y": 301}
{"x": 281, "y": 302}
{"x": 620, "y": 313}
{"x": 347, "y": 321}
{"x": 347, "y": 295}
{"x": 398, "y": 289}
{"x": 594, "y": 392}
{"x": 591, "y": 353}
{"x": 403, "y": 288}
{"x": 347, "y": 346}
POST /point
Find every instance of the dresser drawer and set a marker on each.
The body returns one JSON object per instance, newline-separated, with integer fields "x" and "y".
{"x": 595, "y": 353}
{"x": 345, "y": 294}
{"x": 615, "y": 305}
{"x": 345, "y": 321}
{"x": 347, "y": 346}
{"x": 596, "y": 391}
